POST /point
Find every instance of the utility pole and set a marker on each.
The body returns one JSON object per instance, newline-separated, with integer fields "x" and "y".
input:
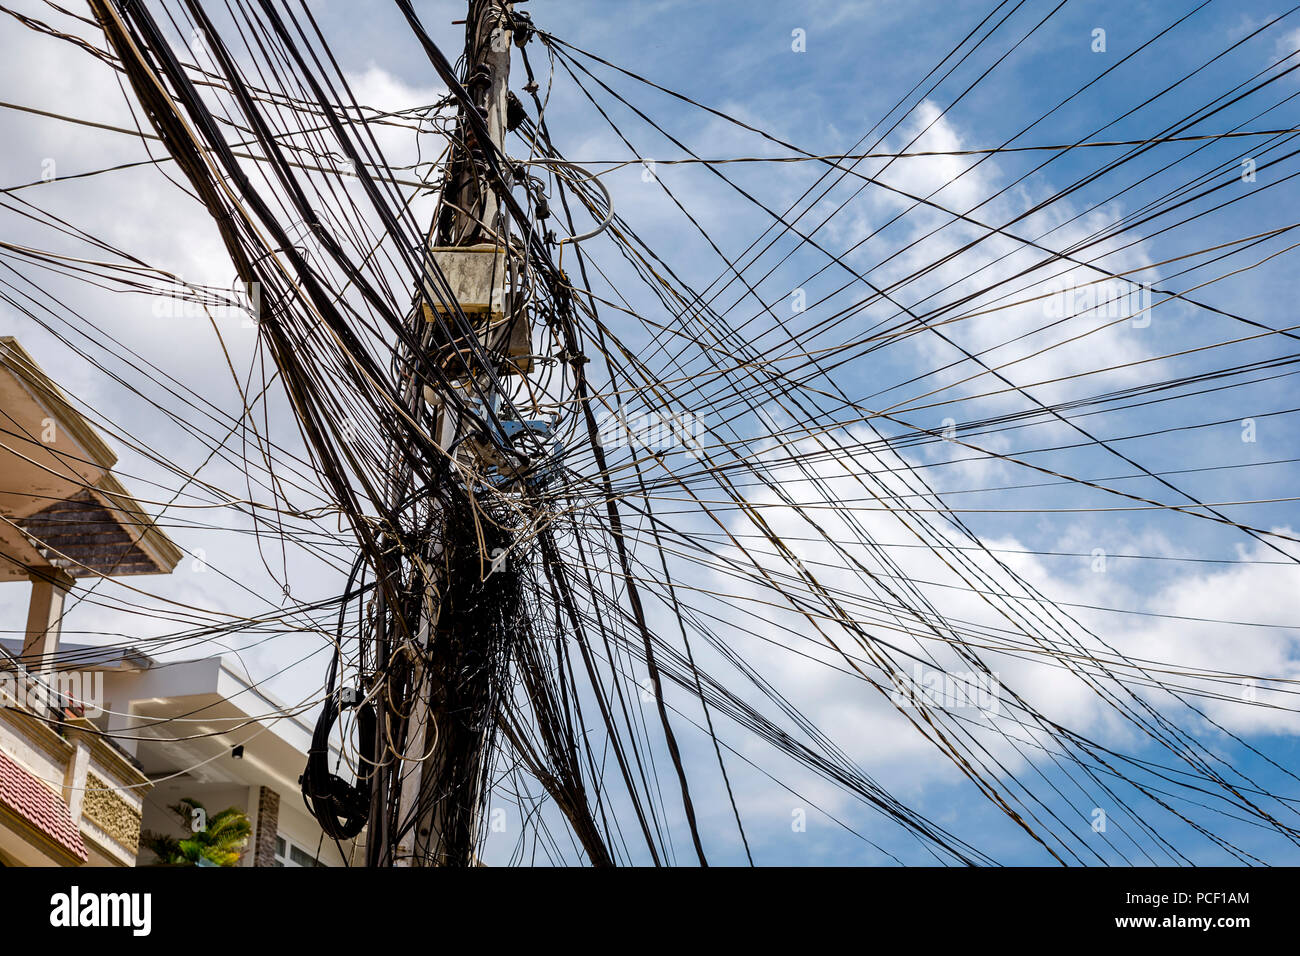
{"x": 471, "y": 217}
{"x": 445, "y": 749}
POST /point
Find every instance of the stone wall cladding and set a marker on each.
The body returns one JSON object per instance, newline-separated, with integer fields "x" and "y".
{"x": 106, "y": 808}
{"x": 268, "y": 821}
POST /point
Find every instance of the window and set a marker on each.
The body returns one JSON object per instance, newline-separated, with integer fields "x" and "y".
{"x": 288, "y": 853}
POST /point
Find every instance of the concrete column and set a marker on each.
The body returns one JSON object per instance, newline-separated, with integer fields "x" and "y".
{"x": 45, "y": 617}
{"x": 74, "y": 778}
{"x": 250, "y": 809}
{"x": 124, "y": 722}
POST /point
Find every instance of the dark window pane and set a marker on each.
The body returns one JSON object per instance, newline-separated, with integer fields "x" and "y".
{"x": 301, "y": 857}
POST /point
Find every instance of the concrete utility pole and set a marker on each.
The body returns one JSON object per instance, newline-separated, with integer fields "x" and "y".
{"x": 442, "y": 760}
{"x": 488, "y": 37}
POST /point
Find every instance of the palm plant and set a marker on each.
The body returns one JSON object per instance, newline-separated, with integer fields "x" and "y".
{"x": 220, "y": 842}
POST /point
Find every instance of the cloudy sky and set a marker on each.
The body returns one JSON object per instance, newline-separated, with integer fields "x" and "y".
{"x": 1164, "y": 587}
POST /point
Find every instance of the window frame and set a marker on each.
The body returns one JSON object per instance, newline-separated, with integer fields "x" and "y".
{"x": 285, "y": 857}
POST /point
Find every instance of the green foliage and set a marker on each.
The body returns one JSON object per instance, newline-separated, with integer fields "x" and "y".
{"x": 221, "y": 842}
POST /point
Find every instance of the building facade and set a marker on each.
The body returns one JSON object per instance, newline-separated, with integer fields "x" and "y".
{"x": 96, "y": 743}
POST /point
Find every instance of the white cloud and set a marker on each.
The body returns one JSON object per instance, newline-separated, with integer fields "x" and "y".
{"x": 137, "y": 210}
{"x": 1202, "y": 658}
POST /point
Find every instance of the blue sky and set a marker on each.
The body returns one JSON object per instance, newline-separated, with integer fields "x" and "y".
{"x": 860, "y": 59}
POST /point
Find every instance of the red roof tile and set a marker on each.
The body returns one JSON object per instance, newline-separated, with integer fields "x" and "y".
{"x": 40, "y": 806}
